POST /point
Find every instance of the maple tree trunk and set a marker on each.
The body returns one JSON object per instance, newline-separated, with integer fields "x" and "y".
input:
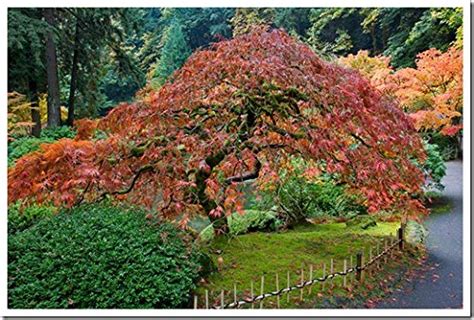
{"x": 54, "y": 115}
{"x": 35, "y": 112}
{"x": 220, "y": 223}
{"x": 73, "y": 85}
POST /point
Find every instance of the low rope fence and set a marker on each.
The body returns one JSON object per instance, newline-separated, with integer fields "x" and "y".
{"x": 356, "y": 270}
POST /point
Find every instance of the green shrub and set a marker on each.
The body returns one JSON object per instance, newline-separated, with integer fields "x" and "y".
{"x": 249, "y": 221}
{"x": 101, "y": 257}
{"x": 207, "y": 234}
{"x": 296, "y": 198}
{"x": 448, "y": 147}
{"x": 58, "y": 133}
{"x": 253, "y": 220}
{"x": 21, "y": 219}
{"x": 21, "y": 146}
{"x": 434, "y": 167}
{"x": 415, "y": 232}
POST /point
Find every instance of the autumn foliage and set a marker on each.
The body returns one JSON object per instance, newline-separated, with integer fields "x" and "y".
{"x": 235, "y": 112}
{"x": 431, "y": 93}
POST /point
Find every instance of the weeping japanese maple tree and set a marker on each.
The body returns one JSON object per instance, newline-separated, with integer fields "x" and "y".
{"x": 234, "y": 112}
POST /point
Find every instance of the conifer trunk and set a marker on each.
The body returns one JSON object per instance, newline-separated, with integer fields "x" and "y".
{"x": 73, "y": 85}
{"x": 54, "y": 115}
{"x": 35, "y": 112}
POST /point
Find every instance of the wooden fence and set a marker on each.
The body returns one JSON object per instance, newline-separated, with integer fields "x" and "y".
{"x": 348, "y": 273}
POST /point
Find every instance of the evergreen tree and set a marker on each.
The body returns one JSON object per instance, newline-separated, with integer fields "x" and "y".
{"x": 294, "y": 20}
{"x": 435, "y": 28}
{"x": 26, "y": 58}
{"x": 173, "y": 55}
{"x": 54, "y": 115}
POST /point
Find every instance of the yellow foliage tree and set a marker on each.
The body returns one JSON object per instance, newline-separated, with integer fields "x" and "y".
{"x": 431, "y": 93}
{"x": 19, "y": 113}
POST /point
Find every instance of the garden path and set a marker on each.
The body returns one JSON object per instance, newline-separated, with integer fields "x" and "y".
{"x": 440, "y": 287}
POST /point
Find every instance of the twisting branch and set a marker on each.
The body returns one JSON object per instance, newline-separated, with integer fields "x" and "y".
{"x": 146, "y": 168}
{"x": 142, "y": 170}
{"x": 246, "y": 176}
{"x": 361, "y": 140}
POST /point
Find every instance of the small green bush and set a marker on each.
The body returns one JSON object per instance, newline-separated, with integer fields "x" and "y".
{"x": 207, "y": 234}
{"x": 297, "y": 198}
{"x": 448, "y": 147}
{"x": 253, "y": 220}
{"x": 58, "y": 133}
{"x": 20, "y": 219}
{"x": 21, "y": 146}
{"x": 249, "y": 221}
{"x": 434, "y": 167}
{"x": 415, "y": 232}
{"x": 101, "y": 257}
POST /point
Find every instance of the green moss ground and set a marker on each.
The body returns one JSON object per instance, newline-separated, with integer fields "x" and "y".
{"x": 248, "y": 257}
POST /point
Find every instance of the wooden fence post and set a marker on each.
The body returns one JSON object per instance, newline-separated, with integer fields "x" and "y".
{"x": 378, "y": 252}
{"x": 351, "y": 278}
{"x": 278, "y": 289}
{"x": 235, "y": 294}
{"x": 251, "y": 293}
{"x": 310, "y": 277}
{"x": 195, "y": 302}
{"x": 207, "y": 299}
{"x": 359, "y": 263}
{"x": 288, "y": 285}
{"x": 222, "y": 299}
{"x": 261, "y": 291}
{"x": 345, "y": 270}
{"x": 369, "y": 270}
{"x": 332, "y": 271}
{"x": 324, "y": 275}
{"x": 400, "y": 238}
{"x": 302, "y": 281}
{"x": 392, "y": 241}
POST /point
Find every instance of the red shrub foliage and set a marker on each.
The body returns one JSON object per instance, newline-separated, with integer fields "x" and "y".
{"x": 234, "y": 112}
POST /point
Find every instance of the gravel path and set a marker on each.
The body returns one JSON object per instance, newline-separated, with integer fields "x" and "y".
{"x": 442, "y": 286}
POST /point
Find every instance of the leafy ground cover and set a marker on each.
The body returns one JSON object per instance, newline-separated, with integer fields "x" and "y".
{"x": 248, "y": 257}
{"x": 100, "y": 257}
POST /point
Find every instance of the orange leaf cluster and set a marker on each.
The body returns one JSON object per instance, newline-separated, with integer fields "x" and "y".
{"x": 431, "y": 93}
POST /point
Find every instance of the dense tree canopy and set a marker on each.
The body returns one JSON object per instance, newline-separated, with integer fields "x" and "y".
{"x": 431, "y": 93}
{"x": 234, "y": 112}
{"x": 130, "y": 44}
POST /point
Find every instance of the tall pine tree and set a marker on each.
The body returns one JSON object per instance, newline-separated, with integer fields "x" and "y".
{"x": 173, "y": 55}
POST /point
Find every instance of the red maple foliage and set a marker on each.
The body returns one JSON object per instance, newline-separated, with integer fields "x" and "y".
{"x": 235, "y": 112}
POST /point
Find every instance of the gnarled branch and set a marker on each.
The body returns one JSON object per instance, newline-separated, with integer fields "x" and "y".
{"x": 246, "y": 176}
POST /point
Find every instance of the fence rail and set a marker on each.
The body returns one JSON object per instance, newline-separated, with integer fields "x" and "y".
{"x": 357, "y": 270}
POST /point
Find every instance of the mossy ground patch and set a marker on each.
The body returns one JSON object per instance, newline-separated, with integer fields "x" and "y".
{"x": 249, "y": 257}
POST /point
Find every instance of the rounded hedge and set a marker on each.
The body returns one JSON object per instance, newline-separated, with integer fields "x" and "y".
{"x": 100, "y": 257}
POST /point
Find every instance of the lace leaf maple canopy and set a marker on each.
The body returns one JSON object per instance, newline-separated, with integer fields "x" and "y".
{"x": 234, "y": 112}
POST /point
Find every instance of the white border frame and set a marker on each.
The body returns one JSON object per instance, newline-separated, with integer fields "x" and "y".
{"x": 465, "y": 311}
